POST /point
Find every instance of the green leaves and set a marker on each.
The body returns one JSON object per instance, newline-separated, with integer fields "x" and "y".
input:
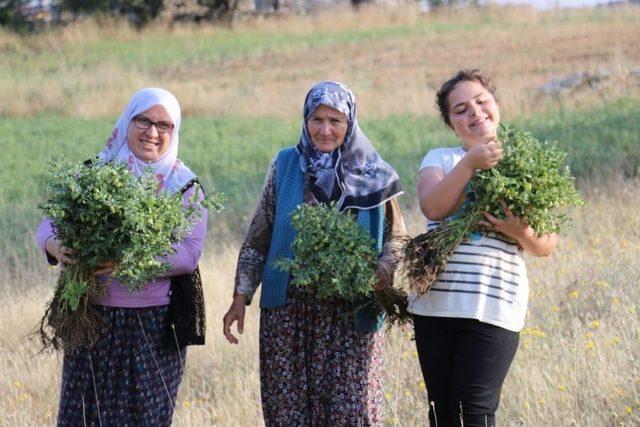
{"x": 105, "y": 214}
{"x": 73, "y": 291}
{"x": 532, "y": 179}
{"x": 332, "y": 253}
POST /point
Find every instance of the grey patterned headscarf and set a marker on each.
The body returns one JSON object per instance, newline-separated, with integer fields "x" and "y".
{"x": 364, "y": 179}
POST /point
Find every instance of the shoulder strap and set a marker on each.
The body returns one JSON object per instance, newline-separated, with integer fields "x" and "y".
{"x": 190, "y": 184}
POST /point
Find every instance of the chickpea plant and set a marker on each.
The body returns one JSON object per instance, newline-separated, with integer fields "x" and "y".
{"x": 335, "y": 256}
{"x": 532, "y": 179}
{"x": 103, "y": 213}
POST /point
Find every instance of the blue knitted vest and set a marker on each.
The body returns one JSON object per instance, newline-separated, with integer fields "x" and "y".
{"x": 289, "y": 181}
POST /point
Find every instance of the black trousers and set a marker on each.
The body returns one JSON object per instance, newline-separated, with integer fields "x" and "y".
{"x": 464, "y": 363}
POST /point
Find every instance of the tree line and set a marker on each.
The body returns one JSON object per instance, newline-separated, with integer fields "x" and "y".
{"x": 30, "y": 15}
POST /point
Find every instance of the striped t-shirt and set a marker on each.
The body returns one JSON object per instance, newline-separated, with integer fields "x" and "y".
{"x": 485, "y": 279}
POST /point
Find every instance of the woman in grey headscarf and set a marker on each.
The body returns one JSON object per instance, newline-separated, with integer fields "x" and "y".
{"x": 316, "y": 368}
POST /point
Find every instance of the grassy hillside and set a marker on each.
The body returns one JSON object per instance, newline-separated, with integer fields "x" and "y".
{"x": 393, "y": 57}
{"x": 231, "y": 154}
{"x": 241, "y": 90}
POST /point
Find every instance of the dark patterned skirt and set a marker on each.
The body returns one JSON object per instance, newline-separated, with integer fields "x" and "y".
{"x": 129, "y": 378}
{"x": 315, "y": 368}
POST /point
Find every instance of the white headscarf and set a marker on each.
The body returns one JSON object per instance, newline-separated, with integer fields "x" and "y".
{"x": 171, "y": 173}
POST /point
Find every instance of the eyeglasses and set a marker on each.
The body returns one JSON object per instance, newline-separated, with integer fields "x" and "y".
{"x": 143, "y": 123}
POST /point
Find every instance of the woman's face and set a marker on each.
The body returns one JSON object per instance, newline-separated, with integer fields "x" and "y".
{"x": 473, "y": 112}
{"x": 149, "y": 134}
{"x": 327, "y": 128}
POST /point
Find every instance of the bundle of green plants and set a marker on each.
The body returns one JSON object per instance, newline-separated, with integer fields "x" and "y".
{"x": 532, "y": 179}
{"x": 104, "y": 214}
{"x": 337, "y": 257}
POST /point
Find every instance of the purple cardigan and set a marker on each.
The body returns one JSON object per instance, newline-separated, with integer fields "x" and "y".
{"x": 156, "y": 292}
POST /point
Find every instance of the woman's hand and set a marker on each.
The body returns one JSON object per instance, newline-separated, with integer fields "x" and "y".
{"x": 384, "y": 274}
{"x": 54, "y": 247}
{"x": 106, "y": 267}
{"x": 235, "y": 313}
{"x": 484, "y": 156}
{"x": 515, "y": 227}
{"x": 512, "y": 225}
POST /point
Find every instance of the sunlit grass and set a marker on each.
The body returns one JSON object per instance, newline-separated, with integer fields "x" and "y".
{"x": 578, "y": 357}
{"x": 241, "y": 90}
{"x": 393, "y": 58}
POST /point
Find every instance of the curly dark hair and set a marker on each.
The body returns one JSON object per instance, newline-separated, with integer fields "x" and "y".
{"x": 473, "y": 75}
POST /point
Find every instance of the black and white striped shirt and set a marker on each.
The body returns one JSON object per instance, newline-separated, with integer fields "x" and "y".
{"x": 485, "y": 279}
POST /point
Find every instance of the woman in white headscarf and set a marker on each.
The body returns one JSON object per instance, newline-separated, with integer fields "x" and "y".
{"x": 316, "y": 368}
{"x": 131, "y": 375}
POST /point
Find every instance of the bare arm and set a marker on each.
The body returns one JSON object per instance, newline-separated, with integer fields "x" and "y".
{"x": 252, "y": 257}
{"x": 440, "y": 194}
{"x": 395, "y": 234}
{"x": 538, "y": 246}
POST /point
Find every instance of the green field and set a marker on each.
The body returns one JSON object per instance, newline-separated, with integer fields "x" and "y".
{"x": 232, "y": 154}
{"x": 241, "y": 90}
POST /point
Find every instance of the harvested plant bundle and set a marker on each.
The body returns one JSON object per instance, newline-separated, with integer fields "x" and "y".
{"x": 338, "y": 258}
{"x": 103, "y": 213}
{"x": 532, "y": 179}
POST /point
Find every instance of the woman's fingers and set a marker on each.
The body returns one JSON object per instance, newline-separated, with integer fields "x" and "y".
{"x": 101, "y": 271}
{"x": 492, "y": 219}
{"x": 492, "y": 223}
{"x": 485, "y": 224}
{"x": 227, "y": 321}
{"x": 64, "y": 259}
{"x": 106, "y": 267}
{"x": 240, "y": 325}
{"x": 493, "y": 153}
{"x": 234, "y": 314}
{"x": 384, "y": 277}
{"x": 506, "y": 209}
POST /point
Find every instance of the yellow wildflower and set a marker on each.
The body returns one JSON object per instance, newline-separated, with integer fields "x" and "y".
{"x": 534, "y": 332}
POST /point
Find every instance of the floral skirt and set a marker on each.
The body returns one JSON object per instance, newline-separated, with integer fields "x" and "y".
{"x": 315, "y": 368}
{"x": 129, "y": 378}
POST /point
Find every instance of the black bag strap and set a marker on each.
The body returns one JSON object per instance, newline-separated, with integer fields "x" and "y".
{"x": 190, "y": 184}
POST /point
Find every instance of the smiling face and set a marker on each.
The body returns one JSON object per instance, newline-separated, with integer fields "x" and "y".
{"x": 327, "y": 128}
{"x": 149, "y": 145}
{"x": 473, "y": 112}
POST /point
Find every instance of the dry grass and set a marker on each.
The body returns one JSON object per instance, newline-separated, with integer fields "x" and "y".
{"x": 577, "y": 363}
{"x": 578, "y": 359}
{"x": 394, "y": 59}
